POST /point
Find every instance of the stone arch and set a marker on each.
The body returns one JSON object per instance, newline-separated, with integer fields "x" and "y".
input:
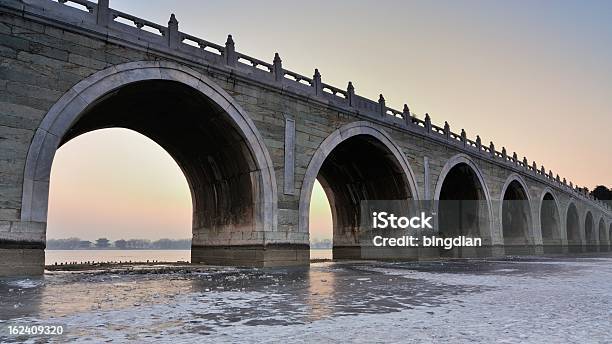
{"x": 58, "y": 126}
{"x": 516, "y": 218}
{"x": 572, "y": 227}
{"x": 590, "y": 237}
{"x": 550, "y": 221}
{"x": 603, "y": 239}
{"x": 474, "y": 212}
{"x": 370, "y": 135}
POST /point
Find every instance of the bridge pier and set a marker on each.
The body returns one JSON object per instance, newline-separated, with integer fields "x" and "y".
{"x": 272, "y": 255}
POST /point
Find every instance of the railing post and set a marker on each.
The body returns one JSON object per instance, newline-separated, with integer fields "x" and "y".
{"x": 316, "y": 82}
{"x": 492, "y": 149}
{"x": 504, "y": 154}
{"x": 173, "y": 37}
{"x": 350, "y": 94}
{"x": 406, "y": 114}
{"x": 102, "y": 15}
{"x": 427, "y": 123}
{"x": 277, "y": 67}
{"x": 382, "y": 106}
{"x": 478, "y": 143}
{"x": 515, "y": 157}
{"x": 525, "y": 163}
{"x": 230, "y": 52}
{"x": 446, "y": 130}
{"x": 463, "y": 137}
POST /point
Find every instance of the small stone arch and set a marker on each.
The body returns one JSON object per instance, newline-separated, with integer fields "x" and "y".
{"x": 485, "y": 221}
{"x": 602, "y": 234}
{"x": 590, "y": 236}
{"x": 327, "y": 146}
{"x": 549, "y": 213}
{"x": 509, "y": 209}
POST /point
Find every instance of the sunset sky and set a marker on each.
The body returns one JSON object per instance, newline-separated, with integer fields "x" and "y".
{"x": 533, "y": 76}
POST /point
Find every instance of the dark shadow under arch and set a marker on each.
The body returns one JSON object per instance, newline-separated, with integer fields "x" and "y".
{"x": 550, "y": 224}
{"x": 516, "y": 215}
{"x": 572, "y": 222}
{"x": 589, "y": 232}
{"x": 462, "y": 207}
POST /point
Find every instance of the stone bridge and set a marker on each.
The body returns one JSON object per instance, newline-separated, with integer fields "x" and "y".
{"x": 251, "y": 138}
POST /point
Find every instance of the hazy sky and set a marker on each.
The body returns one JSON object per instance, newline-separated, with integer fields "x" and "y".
{"x": 534, "y": 76}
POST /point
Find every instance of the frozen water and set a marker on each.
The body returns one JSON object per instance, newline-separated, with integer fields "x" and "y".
{"x": 483, "y": 301}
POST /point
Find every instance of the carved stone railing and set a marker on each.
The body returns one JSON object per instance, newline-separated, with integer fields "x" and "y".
{"x": 113, "y": 24}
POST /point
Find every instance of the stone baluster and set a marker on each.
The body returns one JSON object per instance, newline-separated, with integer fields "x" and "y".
{"x": 525, "y": 162}
{"x": 478, "y": 143}
{"x": 103, "y": 13}
{"x": 463, "y": 137}
{"x": 446, "y": 130}
{"x": 316, "y": 82}
{"x": 350, "y": 91}
{"x": 543, "y": 170}
{"x": 382, "y": 105}
{"x": 173, "y": 32}
{"x": 504, "y": 154}
{"x": 277, "y": 68}
{"x": 514, "y": 158}
{"x": 492, "y": 149}
{"x": 406, "y": 113}
{"x": 427, "y": 123}
{"x": 535, "y": 167}
{"x": 230, "y": 52}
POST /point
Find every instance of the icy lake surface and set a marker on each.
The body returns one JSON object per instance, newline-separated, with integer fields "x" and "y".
{"x": 537, "y": 300}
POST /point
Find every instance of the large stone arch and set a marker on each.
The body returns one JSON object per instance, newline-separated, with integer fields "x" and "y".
{"x": 485, "y": 216}
{"x": 351, "y": 131}
{"x": 82, "y": 96}
{"x": 513, "y": 241}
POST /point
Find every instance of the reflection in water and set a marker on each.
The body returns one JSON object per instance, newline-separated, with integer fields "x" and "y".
{"x": 321, "y": 293}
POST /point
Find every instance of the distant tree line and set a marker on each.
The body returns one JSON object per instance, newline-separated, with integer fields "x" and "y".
{"x": 602, "y": 193}
{"x": 131, "y": 244}
{"x": 324, "y": 243}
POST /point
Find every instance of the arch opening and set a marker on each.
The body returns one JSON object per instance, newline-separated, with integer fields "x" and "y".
{"x": 117, "y": 190}
{"x": 355, "y": 163}
{"x": 603, "y": 240}
{"x": 358, "y": 169}
{"x": 574, "y": 239}
{"x": 550, "y": 222}
{"x": 462, "y": 207}
{"x": 515, "y": 216}
{"x": 610, "y": 237}
{"x": 197, "y": 134}
{"x": 589, "y": 232}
